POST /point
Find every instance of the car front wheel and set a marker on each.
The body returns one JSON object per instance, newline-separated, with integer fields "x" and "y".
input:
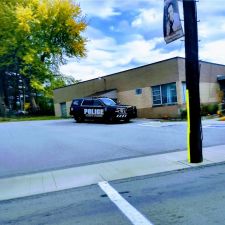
{"x": 79, "y": 119}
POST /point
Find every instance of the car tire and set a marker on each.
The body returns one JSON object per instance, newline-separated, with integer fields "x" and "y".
{"x": 79, "y": 119}
{"x": 110, "y": 120}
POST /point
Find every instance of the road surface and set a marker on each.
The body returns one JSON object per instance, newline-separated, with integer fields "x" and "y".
{"x": 188, "y": 197}
{"x": 34, "y": 146}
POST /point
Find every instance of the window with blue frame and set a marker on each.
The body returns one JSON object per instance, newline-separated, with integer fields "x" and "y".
{"x": 138, "y": 91}
{"x": 184, "y": 92}
{"x": 165, "y": 94}
{"x": 156, "y": 94}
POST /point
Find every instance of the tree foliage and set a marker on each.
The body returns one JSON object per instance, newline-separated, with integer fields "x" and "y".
{"x": 36, "y": 36}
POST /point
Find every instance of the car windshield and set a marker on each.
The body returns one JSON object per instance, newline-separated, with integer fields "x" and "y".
{"x": 108, "y": 101}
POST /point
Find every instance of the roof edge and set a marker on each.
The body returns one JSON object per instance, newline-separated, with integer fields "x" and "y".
{"x": 102, "y": 77}
{"x": 154, "y": 63}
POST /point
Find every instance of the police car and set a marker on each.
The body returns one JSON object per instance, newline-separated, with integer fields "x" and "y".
{"x": 101, "y": 109}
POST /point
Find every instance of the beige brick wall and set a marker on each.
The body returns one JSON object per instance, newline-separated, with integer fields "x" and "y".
{"x": 80, "y": 90}
{"x": 209, "y": 92}
{"x": 208, "y": 71}
{"x": 159, "y": 112}
{"x": 140, "y": 101}
{"x": 179, "y": 92}
{"x": 141, "y": 77}
{"x": 57, "y": 110}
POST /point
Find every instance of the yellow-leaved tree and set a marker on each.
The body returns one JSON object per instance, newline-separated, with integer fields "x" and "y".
{"x": 36, "y": 36}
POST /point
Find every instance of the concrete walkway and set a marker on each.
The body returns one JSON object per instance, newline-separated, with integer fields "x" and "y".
{"x": 27, "y": 185}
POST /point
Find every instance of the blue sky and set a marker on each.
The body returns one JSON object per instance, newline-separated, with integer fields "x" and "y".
{"x": 127, "y": 34}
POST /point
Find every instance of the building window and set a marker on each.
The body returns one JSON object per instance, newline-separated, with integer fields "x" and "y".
{"x": 165, "y": 94}
{"x": 156, "y": 93}
{"x": 184, "y": 92}
{"x": 138, "y": 91}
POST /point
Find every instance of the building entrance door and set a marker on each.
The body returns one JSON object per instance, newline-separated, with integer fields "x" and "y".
{"x": 63, "y": 109}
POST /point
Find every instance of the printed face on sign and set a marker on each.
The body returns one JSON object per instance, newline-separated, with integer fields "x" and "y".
{"x": 172, "y": 27}
{"x": 170, "y": 13}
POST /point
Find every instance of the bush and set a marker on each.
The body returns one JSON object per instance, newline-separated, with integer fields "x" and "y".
{"x": 46, "y": 106}
{"x": 209, "y": 109}
{"x": 183, "y": 114}
{"x": 204, "y": 110}
{"x": 212, "y": 108}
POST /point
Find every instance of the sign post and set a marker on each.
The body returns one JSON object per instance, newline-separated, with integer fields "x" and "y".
{"x": 172, "y": 30}
{"x": 194, "y": 133}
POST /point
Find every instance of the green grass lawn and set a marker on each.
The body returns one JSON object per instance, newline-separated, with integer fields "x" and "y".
{"x": 28, "y": 118}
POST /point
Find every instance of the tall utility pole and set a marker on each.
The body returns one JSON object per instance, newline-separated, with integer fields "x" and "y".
{"x": 192, "y": 82}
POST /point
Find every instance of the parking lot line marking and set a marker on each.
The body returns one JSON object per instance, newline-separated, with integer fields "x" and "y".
{"x": 128, "y": 210}
{"x": 213, "y": 126}
{"x": 156, "y": 125}
{"x": 151, "y": 124}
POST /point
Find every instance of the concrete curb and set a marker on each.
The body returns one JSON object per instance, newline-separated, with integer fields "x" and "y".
{"x": 28, "y": 185}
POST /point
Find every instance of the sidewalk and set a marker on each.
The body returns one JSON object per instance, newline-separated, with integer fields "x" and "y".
{"x": 27, "y": 185}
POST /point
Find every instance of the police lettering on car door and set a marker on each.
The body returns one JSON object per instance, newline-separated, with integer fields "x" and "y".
{"x": 94, "y": 112}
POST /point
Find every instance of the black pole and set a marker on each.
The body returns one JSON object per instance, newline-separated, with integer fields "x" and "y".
{"x": 192, "y": 80}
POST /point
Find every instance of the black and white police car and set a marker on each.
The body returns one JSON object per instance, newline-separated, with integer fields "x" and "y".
{"x": 101, "y": 109}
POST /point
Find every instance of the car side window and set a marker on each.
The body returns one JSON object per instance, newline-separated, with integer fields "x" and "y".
{"x": 97, "y": 103}
{"x": 76, "y": 102}
{"x": 87, "y": 103}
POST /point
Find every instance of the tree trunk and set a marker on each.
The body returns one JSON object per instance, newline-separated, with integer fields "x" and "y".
{"x": 2, "y": 97}
{"x": 33, "y": 105}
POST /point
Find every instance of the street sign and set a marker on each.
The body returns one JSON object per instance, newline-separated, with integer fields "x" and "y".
{"x": 172, "y": 27}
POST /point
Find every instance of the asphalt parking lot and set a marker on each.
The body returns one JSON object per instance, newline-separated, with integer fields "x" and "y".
{"x": 34, "y": 146}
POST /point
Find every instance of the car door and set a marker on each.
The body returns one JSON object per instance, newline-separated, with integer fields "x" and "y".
{"x": 92, "y": 108}
{"x": 86, "y": 107}
{"x": 98, "y": 109}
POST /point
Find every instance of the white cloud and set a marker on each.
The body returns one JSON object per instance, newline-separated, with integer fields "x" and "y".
{"x": 138, "y": 42}
{"x": 81, "y": 71}
{"x": 213, "y": 51}
{"x": 93, "y": 33}
{"x": 210, "y": 8}
{"x": 123, "y": 26}
{"x": 99, "y": 8}
{"x": 108, "y": 8}
{"x": 209, "y": 29}
{"x": 106, "y": 56}
{"x": 147, "y": 18}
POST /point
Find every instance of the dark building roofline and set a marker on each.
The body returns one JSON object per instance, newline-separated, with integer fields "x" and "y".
{"x": 161, "y": 61}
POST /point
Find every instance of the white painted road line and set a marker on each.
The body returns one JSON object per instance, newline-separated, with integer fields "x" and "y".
{"x": 158, "y": 124}
{"x": 214, "y": 126}
{"x": 128, "y": 210}
{"x": 151, "y": 124}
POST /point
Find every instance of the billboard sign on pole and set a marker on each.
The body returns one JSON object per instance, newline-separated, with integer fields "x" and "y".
{"x": 172, "y": 27}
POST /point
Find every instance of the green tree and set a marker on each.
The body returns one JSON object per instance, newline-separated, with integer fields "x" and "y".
{"x": 36, "y": 36}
